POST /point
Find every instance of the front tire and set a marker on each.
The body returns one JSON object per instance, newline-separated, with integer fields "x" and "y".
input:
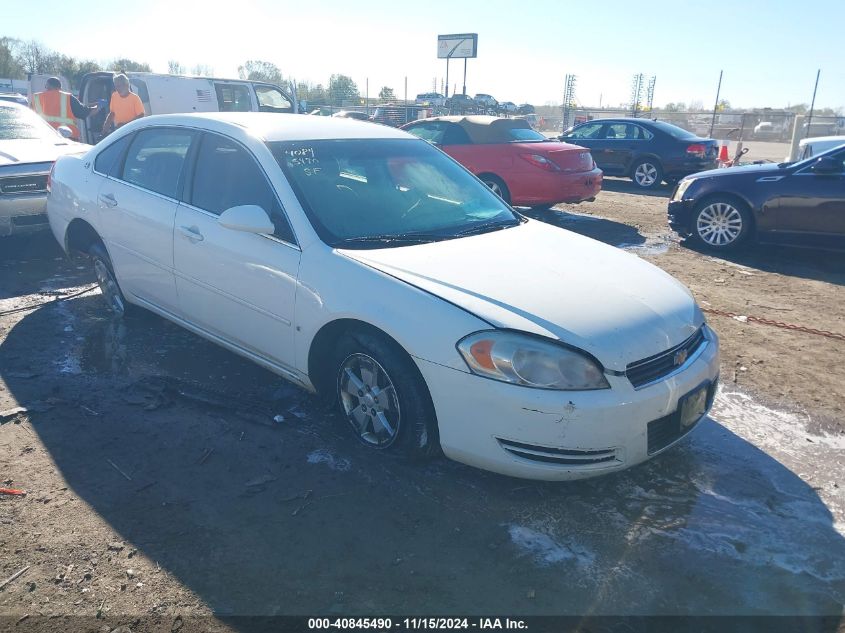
{"x": 721, "y": 223}
{"x": 382, "y": 395}
{"x": 647, "y": 173}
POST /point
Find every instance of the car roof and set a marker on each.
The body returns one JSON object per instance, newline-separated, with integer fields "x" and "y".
{"x": 822, "y": 139}
{"x": 270, "y": 126}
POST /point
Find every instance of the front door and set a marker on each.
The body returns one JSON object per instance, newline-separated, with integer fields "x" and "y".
{"x": 811, "y": 206}
{"x": 235, "y": 285}
{"x": 137, "y": 207}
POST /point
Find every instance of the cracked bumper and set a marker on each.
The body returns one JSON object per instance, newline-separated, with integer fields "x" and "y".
{"x": 556, "y": 435}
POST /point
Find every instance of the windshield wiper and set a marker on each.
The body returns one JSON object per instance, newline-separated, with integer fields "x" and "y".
{"x": 389, "y": 238}
{"x": 485, "y": 227}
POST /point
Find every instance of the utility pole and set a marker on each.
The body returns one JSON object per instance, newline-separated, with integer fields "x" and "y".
{"x": 568, "y": 99}
{"x": 716, "y": 105}
{"x": 813, "y": 104}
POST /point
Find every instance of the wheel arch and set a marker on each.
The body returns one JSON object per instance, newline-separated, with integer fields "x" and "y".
{"x": 80, "y": 236}
{"x": 490, "y": 174}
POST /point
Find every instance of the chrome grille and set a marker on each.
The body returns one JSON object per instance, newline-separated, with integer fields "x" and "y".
{"x": 562, "y": 456}
{"x": 653, "y": 368}
{"x": 23, "y": 184}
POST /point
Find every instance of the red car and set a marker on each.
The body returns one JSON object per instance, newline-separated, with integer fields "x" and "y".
{"x": 524, "y": 167}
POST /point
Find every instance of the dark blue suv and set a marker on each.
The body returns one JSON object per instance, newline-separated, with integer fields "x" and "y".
{"x": 649, "y": 152}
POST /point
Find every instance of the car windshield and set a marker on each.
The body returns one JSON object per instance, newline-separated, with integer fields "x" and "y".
{"x": 21, "y": 123}
{"x": 673, "y": 130}
{"x": 366, "y": 193}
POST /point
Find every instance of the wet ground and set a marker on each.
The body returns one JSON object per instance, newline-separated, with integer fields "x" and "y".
{"x": 159, "y": 486}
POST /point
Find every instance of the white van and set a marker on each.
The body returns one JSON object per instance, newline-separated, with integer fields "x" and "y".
{"x": 171, "y": 94}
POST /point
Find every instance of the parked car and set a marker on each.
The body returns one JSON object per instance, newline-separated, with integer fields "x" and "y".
{"x": 647, "y": 151}
{"x": 508, "y": 106}
{"x": 522, "y": 166}
{"x": 351, "y": 114}
{"x": 799, "y": 203}
{"x": 428, "y": 311}
{"x": 526, "y": 108}
{"x": 461, "y": 104}
{"x": 809, "y": 147}
{"x": 14, "y": 97}
{"x": 434, "y": 99}
{"x": 485, "y": 101}
{"x": 28, "y": 148}
{"x": 168, "y": 94}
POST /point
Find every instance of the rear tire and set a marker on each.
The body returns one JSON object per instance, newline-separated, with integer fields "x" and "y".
{"x": 112, "y": 294}
{"x": 382, "y": 395}
{"x": 721, "y": 223}
{"x": 497, "y": 186}
{"x": 647, "y": 173}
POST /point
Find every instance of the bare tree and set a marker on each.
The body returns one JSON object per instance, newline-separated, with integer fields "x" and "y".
{"x": 175, "y": 68}
{"x": 10, "y": 67}
{"x": 202, "y": 70}
{"x": 36, "y": 59}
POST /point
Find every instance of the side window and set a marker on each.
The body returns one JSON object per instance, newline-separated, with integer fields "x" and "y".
{"x": 619, "y": 130}
{"x": 431, "y": 132}
{"x": 155, "y": 158}
{"x": 233, "y": 97}
{"x": 588, "y": 130}
{"x": 107, "y": 160}
{"x": 455, "y": 135}
{"x": 271, "y": 99}
{"x": 226, "y": 176}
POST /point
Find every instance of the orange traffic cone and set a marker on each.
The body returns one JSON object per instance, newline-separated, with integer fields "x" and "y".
{"x": 723, "y": 154}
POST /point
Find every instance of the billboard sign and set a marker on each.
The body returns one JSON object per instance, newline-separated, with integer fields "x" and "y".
{"x": 458, "y": 46}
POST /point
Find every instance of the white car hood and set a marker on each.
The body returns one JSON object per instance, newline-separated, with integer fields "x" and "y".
{"x": 549, "y": 281}
{"x": 21, "y": 151}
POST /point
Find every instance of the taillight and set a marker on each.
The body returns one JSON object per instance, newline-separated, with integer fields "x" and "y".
{"x": 50, "y": 178}
{"x": 697, "y": 149}
{"x": 540, "y": 161}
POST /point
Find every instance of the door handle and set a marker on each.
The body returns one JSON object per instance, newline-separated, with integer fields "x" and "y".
{"x": 108, "y": 199}
{"x": 192, "y": 233}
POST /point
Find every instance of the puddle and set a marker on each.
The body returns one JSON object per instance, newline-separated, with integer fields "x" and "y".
{"x": 649, "y": 248}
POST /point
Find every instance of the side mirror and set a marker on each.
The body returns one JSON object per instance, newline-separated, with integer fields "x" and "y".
{"x": 248, "y": 218}
{"x": 65, "y": 131}
{"x": 827, "y": 165}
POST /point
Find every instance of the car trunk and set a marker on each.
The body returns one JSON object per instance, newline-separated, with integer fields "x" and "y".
{"x": 570, "y": 158}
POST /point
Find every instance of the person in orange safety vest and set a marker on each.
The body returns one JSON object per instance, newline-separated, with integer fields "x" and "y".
{"x": 60, "y": 108}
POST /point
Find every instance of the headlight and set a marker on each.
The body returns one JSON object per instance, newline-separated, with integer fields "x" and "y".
{"x": 682, "y": 188}
{"x": 527, "y": 360}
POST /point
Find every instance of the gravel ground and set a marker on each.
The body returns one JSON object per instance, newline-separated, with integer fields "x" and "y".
{"x": 161, "y": 496}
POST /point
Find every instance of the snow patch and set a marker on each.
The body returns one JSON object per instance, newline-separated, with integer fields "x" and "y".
{"x": 322, "y": 456}
{"x": 547, "y": 551}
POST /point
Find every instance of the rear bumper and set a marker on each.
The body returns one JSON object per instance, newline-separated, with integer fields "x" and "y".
{"x": 684, "y": 167}
{"x": 545, "y": 188}
{"x": 24, "y": 213}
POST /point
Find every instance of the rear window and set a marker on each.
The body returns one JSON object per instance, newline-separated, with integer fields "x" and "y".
{"x": 673, "y": 130}
{"x": 522, "y": 135}
{"x": 22, "y": 123}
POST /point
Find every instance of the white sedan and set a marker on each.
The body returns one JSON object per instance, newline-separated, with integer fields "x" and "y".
{"x": 366, "y": 265}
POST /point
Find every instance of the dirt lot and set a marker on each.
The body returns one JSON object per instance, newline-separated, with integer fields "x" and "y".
{"x": 161, "y": 495}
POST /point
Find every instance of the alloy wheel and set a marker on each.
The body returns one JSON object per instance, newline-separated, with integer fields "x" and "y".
{"x": 719, "y": 224}
{"x": 645, "y": 175}
{"x": 369, "y": 400}
{"x": 494, "y": 187}
{"x": 109, "y": 288}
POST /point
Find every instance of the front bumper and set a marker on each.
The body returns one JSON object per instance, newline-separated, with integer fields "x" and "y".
{"x": 560, "y": 435}
{"x": 24, "y": 213}
{"x": 681, "y": 216}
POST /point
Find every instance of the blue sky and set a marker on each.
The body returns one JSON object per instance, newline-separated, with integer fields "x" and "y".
{"x": 769, "y": 51}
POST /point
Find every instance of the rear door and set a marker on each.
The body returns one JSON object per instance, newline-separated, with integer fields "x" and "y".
{"x": 137, "y": 206}
{"x": 623, "y": 143}
{"x": 235, "y": 285}
{"x": 811, "y": 206}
